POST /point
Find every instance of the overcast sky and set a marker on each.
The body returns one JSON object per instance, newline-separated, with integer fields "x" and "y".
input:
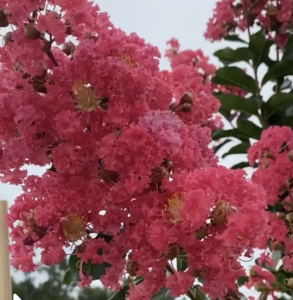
{"x": 157, "y": 21}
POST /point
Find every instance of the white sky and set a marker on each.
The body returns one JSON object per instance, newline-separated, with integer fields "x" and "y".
{"x": 157, "y": 21}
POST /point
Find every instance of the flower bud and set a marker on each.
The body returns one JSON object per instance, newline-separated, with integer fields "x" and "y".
{"x": 264, "y": 295}
{"x": 290, "y": 155}
{"x": 260, "y": 287}
{"x": 289, "y": 217}
{"x": 271, "y": 9}
{"x": 3, "y": 18}
{"x": 281, "y": 215}
{"x": 252, "y": 273}
{"x": 201, "y": 233}
{"x": 68, "y": 48}
{"x": 285, "y": 186}
{"x": 39, "y": 84}
{"x": 25, "y": 76}
{"x": 186, "y": 107}
{"x": 289, "y": 282}
{"x": 132, "y": 267}
{"x": 31, "y": 32}
{"x": 238, "y": 9}
{"x": 68, "y": 30}
{"x": 7, "y": 38}
{"x": 186, "y": 98}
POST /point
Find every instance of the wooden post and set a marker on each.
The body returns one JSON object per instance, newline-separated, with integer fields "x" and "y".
{"x": 5, "y": 279}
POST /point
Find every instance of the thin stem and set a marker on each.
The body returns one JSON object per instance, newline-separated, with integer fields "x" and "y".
{"x": 231, "y": 124}
{"x": 173, "y": 271}
{"x": 278, "y": 59}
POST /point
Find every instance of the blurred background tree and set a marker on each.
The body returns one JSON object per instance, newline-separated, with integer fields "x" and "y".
{"x": 52, "y": 288}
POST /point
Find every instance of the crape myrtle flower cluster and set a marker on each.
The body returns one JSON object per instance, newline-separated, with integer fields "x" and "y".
{"x": 274, "y": 155}
{"x": 201, "y": 65}
{"x": 202, "y": 68}
{"x": 274, "y": 16}
{"x": 126, "y": 150}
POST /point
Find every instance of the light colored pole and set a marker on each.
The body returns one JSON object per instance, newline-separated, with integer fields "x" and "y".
{"x": 5, "y": 279}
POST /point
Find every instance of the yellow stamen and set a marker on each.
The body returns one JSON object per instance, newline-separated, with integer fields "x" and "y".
{"x": 31, "y": 221}
{"x": 221, "y": 212}
{"x": 74, "y": 227}
{"x": 175, "y": 204}
{"x": 128, "y": 60}
{"x": 85, "y": 97}
{"x": 271, "y": 9}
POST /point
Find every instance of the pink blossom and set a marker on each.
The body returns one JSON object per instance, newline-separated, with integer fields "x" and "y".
{"x": 179, "y": 282}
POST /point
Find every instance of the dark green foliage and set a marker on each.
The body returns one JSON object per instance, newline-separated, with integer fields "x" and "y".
{"x": 52, "y": 288}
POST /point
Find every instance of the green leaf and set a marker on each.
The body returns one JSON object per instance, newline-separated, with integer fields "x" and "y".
{"x": 233, "y": 102}
{"x": 238, "y": 149}
{"x": 67, "y": 279}
{"x": 161, "y": 294}
{"x": 242, "y": 280}
{"x": 225, "y": 112}
{"x": 97, "y": 270}
{"x": 279, "y": 69}
{"x": 73, "y": 260}
{"x": 276, "y": 102}
{"x": 288, "y": 54}
{"x": 281, "y": 275}
{"x": 228, "y": 55}
{"x": 259, "y": 46}
{"x": 234, "y": 38}
{"x": 289, "y": 41}
{"x": 244, "y": 116}
{"x": 234, "y": 76}
{"x": 270, "y": 62}
{"x": 121, "y": 295}
{"x": 222, "y": 133}
{"x": 198, "y": 295}
{"x": 182, "y": 262}
{"x": 218, "y": 147}
{"x": 200, "y": 279}
{"x": 94, "y": 270}
{"x": 240, "y": 165}
{"x": 286, "y": 121}
{"x": 249, "y": 128}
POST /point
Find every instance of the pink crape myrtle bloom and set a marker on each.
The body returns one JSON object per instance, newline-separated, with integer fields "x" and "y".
{"x": 126, "y": 151}
{"x": 273, "y": 153}
{"x": 275, "y": 17}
